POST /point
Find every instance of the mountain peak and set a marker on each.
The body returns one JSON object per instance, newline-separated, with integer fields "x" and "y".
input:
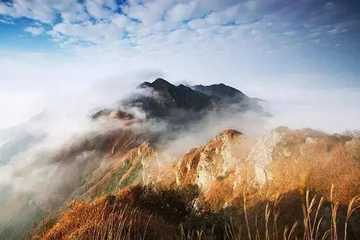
{"x": 161, "y": 81}
{"x": 182, "y": 104}
{"x": 158, "y": 84}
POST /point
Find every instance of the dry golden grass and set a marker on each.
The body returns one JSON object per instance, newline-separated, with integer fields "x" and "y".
{"x": 136, "y": 213}
{"x": 148, "y": 216}
{"x": 220, "y": 193}
{"x": 314, "y": 194}
{"x": 323, "y": 165}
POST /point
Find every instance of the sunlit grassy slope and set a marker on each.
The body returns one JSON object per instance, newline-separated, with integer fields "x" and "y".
{"x": 216, "y": 191}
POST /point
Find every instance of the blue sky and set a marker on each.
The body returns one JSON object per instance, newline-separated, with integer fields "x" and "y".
{"x": 259, "y": 46}
{"x": 14, "y": 37}
{"x": 300, "y": 32}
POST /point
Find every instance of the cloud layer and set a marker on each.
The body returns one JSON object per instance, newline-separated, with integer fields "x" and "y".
{"x": 281, "y": 44}
{"x": 133, "y": 22}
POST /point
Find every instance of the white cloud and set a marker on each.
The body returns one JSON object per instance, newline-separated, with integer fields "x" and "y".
{"x": 109, "y": 3}
{"x": 289, "y": 33}
{"x": 148, "y": 12}
{"x": 28, "y": 100}
{"x": 7, "y": 10}
{"x": 34, "y": 10}
{"x": 198, "y": 24}
{"x": 88, "y": 31}
{"x": 74, "y": 12}
{"x": 121, "y": 20}
{"x": 182, "y": 11}
{"x": 34, "y": 30}
{"x": 104, "y": 22}
{"x": 153, "y": 35}
{"x": 41, "y": 10}
{"x": 97, "y": 9}
{"x": 6, "y": 21}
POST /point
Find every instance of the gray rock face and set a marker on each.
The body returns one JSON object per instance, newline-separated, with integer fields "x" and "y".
{"x": 353, "y": 142}
{"x": 311, "y": 140}
{"x": 261, "y": 155}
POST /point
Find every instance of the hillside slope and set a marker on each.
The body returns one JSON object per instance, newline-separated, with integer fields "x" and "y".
{"x": 125, "y": 181}
{"x": 220, "y": 186}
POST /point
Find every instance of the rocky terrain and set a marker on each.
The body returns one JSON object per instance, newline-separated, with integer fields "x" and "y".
{"x": 218, "y": 187}
{"x": 124, "y": 184}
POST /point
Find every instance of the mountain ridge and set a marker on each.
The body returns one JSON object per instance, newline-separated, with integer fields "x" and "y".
{"x": 210, "y": 189}
{"x": 183, "y": 105}
{"x": 212, "y": 182}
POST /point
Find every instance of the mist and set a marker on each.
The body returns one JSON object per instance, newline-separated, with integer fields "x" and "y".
{"x": 331, "y": 109}
{"x": 42, "y": 153}
{"x": 48, "y": 122}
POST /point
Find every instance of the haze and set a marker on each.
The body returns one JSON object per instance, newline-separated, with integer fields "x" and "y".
{"x": 72, "y": 56}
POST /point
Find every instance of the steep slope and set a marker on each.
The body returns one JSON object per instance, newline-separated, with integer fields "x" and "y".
{"x": 55, "y": 178}
{"x": 230, "y": 180}
{"x": 234, "y": 160}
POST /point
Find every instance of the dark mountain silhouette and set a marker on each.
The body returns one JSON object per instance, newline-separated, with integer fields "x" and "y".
{"x": 221, "y": 92}
{"x": 183, "y": 104}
